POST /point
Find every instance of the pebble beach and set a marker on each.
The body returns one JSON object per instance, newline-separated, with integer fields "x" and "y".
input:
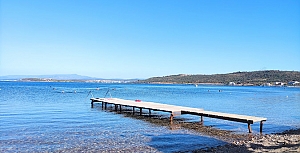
{"x": 288, "y": 141}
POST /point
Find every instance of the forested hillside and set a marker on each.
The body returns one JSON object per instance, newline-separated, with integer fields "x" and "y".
{"x": 247, "y": 78}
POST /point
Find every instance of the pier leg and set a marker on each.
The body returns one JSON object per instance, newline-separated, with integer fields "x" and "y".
{"x": 171, "y": 117}
{"x": 141, "y": 111}
{"x": 133, "y": 108}
{"x": 201, "y": 120}
{"x": 116, "y": 107}
{"x": 102, "y": 104}
{"x": 105, "y": 106}
{"x": 249, "y": 128}
{"x": 149, "y": 112}
{"x": 261, "y": 126}
{"x": 120, "y": 108}
{"x": 92, "y": 104}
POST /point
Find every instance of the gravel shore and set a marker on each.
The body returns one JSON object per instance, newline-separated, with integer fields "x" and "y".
{"x": 288, "y": 141}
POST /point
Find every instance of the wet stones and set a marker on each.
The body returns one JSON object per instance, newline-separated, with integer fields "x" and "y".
{"x": 280, "y": 142}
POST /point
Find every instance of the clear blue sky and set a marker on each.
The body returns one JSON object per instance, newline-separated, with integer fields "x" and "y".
{"x": 146, "y": 38}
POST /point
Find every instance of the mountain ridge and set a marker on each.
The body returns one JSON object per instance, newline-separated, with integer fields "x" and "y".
{"x": 52, "y": 76}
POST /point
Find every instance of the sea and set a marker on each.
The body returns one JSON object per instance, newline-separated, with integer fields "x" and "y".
{"x": 58, "y": 117}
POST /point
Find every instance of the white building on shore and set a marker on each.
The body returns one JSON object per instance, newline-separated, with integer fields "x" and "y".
{"x": 293, "y": 83}
{"x": 231, "y": 83}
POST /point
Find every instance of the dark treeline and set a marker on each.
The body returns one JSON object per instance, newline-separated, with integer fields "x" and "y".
{"x": 254, "y": 78}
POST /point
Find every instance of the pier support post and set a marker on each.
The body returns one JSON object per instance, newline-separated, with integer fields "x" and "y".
{"x": 171, "y": 117}
{"x": 120, "y": 108}
{"x": 105, "y": 106}
{"x": 133, "y": 108}
{"x": 102, "y": 104}
{"x": 249, "y": 128}
{"x": 92, "y": 104}
{"x": 149, "y": 112}
{"x": 261, "y": 126}
{"x": 201, "y": 120}
{"x": 141, "y": 111}
{"x": 116, "y": 107}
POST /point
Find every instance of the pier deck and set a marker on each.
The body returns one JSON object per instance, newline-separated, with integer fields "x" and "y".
{"x": 178, "y": 110}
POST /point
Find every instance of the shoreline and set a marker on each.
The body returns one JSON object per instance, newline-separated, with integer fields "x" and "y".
{"x": 219, "y": 84}
{"x": 287, "y": 141}
{"x": 159, "y": 83}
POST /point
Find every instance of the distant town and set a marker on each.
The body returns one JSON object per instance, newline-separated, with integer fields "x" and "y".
{"x": 62, "y": 78}
{"x": 77, "y": 80}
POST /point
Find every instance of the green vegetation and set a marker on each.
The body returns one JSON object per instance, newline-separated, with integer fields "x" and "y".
{"x": 239, "y": 78}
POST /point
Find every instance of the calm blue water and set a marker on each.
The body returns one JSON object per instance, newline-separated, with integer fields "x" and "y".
{"x": 38, "y": 117}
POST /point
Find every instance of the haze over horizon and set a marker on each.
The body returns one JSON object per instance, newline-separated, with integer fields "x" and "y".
{"x": 85, "y": 77}
{"x": 142, "y": 39}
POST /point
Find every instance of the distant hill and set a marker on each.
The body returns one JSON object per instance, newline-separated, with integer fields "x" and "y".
{"x": 242, "y": 78}
{"x": 62, "y": 78}
{"x": 56, "y": 77}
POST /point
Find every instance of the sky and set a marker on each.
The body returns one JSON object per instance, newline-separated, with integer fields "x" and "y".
{"x": 148, "y": 38}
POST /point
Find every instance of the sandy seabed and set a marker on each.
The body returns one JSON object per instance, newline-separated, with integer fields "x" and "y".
{"x": 287, "y": 141}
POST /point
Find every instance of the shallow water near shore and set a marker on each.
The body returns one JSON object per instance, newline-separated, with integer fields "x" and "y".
{"x": 57, "y": 117}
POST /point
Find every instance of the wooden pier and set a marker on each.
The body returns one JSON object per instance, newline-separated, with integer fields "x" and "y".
{"x": 177, "y": 110}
